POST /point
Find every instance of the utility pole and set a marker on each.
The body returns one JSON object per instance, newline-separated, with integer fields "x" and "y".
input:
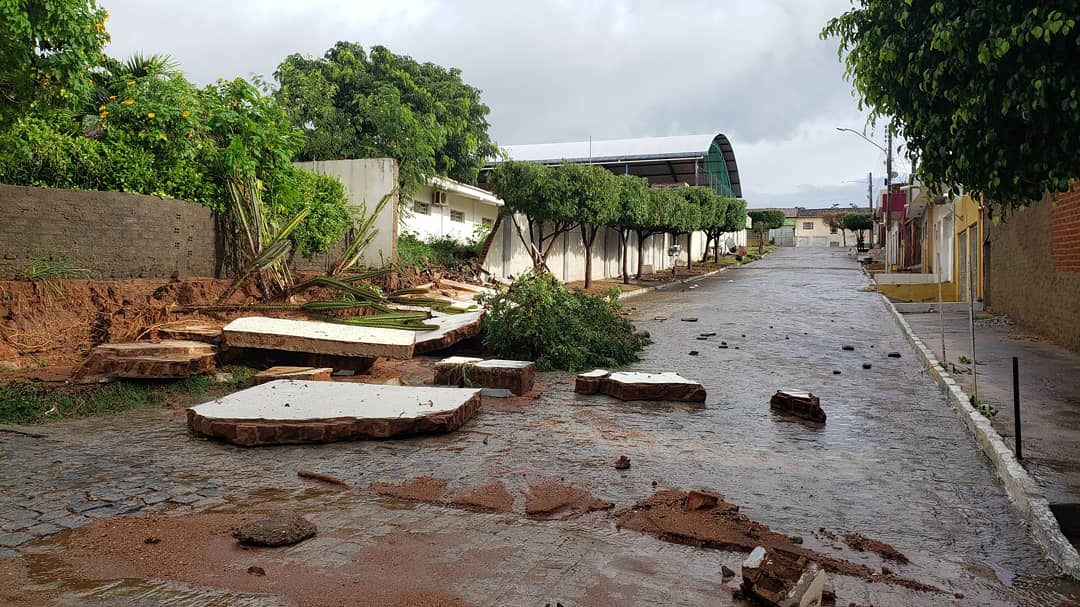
{"x": 870, "y": 203}
{"x": 888, "y": 195}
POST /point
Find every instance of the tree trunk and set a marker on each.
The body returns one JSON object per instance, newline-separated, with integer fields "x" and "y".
{"x": 624, "y": 237}
{"x": 689, "y": 237}
{"x": 716, "y": 249}
{"x": 761, "y": 243}
{"x": 640, "y": 253}
{"x": 588, "y": 237}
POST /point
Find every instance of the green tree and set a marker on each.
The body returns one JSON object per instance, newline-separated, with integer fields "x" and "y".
{"x": 652, "y": 219}
{"x": 536, "y": 192}
{"x": 763, "y": 221}
{"x": 858, "y": 223}
{"x": 734, "y": 219}
{"x": 987, "y": 94}
{"x": 355, "y": 104}
{"x": 47, "y": 51}
{"x": 590, "y": 195}
{"x": 690, "y": 204}
{"x": 631, "y": 210}
{"x": 835, "y": 221}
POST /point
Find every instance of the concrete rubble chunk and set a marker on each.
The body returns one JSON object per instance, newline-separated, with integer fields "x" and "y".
{"x": 652, "y": 386}
{"x": 700, "y": 500}
{"x": 287, "y": 412}
{"x": 278, "y": 529}
{"x": 517, "y": 376}
{"x": 449, "y": 371}
{"x": 590, "y": 383}
{"x": 168, "y": 359}
{"x": 191, "y": 330}
{"x": 316, "y": 337}
{"x": 452, "y": 329}
{"x": 798, "y": 403}
{"x": 776, "y": 579}
{"x": 308, "y": 373}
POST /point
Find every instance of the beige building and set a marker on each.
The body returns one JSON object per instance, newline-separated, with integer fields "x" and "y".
{"x": 812, "y": 231}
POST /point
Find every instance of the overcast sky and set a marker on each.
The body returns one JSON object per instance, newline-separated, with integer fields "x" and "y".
{"x": 556, "y": 70}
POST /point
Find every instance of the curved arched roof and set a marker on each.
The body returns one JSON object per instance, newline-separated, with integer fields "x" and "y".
{"x": 678, "y": 159}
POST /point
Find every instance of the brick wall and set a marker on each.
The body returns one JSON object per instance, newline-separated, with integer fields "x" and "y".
{"x": 1034, "y": 268}
{"x": 115, "y": 235}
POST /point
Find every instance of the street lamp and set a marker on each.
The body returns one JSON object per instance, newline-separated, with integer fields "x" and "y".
{"x": 888, "y": 181}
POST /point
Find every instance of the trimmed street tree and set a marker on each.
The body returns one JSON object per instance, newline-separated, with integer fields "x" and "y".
{"x": 685, "y": 219}
{"x": 835, "y": 221}
{"x": 859, "y": 223}
{"x": 631, "y": 210}
{"x": 534, "y": 191}
{"x": 762, "y": 222}
{"x": 590, "y": 193}
{"x": 987, "y": 93}
{"x": 660, "y": 206}
{"x": 354, "y": 103}
{"x": 734, "y": 220}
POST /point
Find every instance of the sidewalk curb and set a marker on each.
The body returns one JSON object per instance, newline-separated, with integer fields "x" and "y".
{"x": 1022, "y": 490}
{"x": 644, "y": 290}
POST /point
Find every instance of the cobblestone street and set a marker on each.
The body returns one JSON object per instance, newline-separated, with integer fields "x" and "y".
{"x": 893, "y": 463}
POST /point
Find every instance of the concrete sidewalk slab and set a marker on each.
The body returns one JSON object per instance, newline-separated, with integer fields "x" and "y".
{"x": 452, "y": 329}
{"x": 285, "y": 411}
{"x": 169, "y": 359}
{"x": 294, "y": 373}
{"x": 629, "y": 385}
{"x": 319, "y": 337}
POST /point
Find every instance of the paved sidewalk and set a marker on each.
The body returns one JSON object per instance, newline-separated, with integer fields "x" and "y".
{"x": 1049, "y": 393}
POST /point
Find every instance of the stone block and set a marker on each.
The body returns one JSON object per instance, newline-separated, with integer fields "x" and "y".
{"x": 450, "y": 371}
{"x": 590, "y": 383}
{"x": 799, "y": 404}
{"x": 285, "y": 372}
{"x": 652, "y": 386}
{"x": 192, "y": 330}
{"x": 168, "y": 359}
{"x": 516, "y": 376}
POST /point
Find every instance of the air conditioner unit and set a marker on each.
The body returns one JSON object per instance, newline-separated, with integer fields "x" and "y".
{"x": 438, "y": 198}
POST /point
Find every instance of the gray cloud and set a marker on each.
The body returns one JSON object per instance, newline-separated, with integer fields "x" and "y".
{"x": 568, "y": 70}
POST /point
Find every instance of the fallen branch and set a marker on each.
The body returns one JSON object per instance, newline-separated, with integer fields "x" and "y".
{"x": 319, "y": 476}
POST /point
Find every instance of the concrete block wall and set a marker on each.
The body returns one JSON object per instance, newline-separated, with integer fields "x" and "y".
{"x": 1034, "y": 268}
{"x": 112, "y": 234}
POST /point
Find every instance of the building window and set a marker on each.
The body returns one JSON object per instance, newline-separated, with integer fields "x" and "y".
{"x": 421, "y": 208}
{"x": 808, "y": 225}
{"x": 458, "y": 216}
{"x": 832, "y": 230}
{"x": 487, "y": 221}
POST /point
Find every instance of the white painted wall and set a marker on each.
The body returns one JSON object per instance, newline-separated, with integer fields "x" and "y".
{"x": 366, "y": 181}
{"x": 438, "y": 221}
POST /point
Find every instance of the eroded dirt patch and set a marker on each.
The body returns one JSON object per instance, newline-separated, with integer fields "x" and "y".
{"x": 421, "y": 489}
{"x": 486, "y": 498}
{"x": 553, "y": 500}
{"x": 865, "y": 544}
{"x": 723, "y": 527}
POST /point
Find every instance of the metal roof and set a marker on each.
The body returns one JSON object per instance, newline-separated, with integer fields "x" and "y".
{"x": 663, "y": 160}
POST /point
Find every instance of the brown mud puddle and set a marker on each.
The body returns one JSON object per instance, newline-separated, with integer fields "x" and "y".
{"x": 723, "y": 527}
{"x": 546, "y": 499}
{"x": 198, "y": 549}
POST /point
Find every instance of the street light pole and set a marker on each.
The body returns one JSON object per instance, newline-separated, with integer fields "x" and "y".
{"x": 888, "y": 184}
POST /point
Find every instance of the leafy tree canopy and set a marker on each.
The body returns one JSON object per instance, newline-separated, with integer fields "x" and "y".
{"x": 835, "y": 219}
{"x": 353, "y": 104}
{"x": 763, "y": 221}
{"x": 986, "y": 93}
{"x": 858, "y": 222}
{"x": 47, "y": 50}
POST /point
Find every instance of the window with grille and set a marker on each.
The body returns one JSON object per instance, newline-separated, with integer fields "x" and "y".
{"x": 458, "y": 216}
{"x": 808, "y": 225}
{"x": 421, "y": 208}
{"x": 487, "y": 221}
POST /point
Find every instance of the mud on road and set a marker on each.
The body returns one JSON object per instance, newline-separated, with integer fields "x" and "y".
{"x": 893, "y": 463}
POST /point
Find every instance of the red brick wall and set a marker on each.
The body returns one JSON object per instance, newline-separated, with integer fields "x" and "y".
{"x": 1065, "y": 231}
{"x": 1034, "y": 268}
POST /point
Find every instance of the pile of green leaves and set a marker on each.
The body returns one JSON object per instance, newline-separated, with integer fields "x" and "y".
{"x": 538, "y": 319}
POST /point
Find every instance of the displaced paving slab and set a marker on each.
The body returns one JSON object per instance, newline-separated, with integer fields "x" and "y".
{"x": 168, "y": 359}
{"x": 191, "y": 330}
{"x": 286, "y": 412}
{"x": 452, "y": 329}
{"x": 798, "y": 403}
{"x": 451, "y": 371}
{"x": 301, "y": 373}
{"x": 632, "y": 385}
{"x": 517, "y": 376}
{"x": 590, "y": 382}
{"x": 319, "y": 337}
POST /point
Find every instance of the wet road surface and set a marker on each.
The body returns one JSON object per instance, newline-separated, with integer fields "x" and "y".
{"x": 893, "y": 463}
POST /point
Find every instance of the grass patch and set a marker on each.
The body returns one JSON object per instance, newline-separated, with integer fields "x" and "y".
{"x": 24, "y": 402}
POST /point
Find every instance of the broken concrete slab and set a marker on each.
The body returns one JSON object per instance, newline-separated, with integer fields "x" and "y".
{"x": 798, "y": 403}
{"x": 465, "y": 288}
{"x": 191, "y": 330}
{"x": 319, "y": 337}
{"x": 168, "y": 359}
{"x": 591, "y": 382}
{"x": 452, "y": 329}
{"x": 782, "y": 580}
{"x": 516, "y": 376}
{"x": 652, "y": 386}
{"x": 451, "y": 371}
{"x": 285, "y": 372}
{"x": 285, "y": 412}
{"x": 699, "y": 500}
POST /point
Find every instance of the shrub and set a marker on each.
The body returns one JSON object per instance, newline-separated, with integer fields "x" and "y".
{"x": 445, "y": 251}
{"x": 538, "y": 319}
